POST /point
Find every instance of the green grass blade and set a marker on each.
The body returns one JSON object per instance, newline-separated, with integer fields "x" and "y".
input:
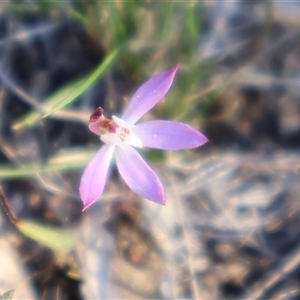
{"x": 52, "y": 237}
{"x": 7, "y": 295}
{"x": 68, "y": 159}
{"x": 84, "y": 84}
{"x": 68, "y": 93}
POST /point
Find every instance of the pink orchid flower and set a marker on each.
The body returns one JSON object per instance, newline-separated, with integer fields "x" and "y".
{"x": 120, "y": 135}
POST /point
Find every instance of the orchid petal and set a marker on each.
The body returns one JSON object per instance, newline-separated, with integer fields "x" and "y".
{"x": 94, "y": 176}
{"x": 138, "y": 175}
{"x": 168, "y": 135}
{"x": 148, "y": 95}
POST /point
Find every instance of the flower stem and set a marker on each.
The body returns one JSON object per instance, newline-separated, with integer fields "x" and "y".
{"x": 6, "y": 207}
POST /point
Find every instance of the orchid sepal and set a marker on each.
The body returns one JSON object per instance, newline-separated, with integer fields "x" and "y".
{"x": 148, "y": 94}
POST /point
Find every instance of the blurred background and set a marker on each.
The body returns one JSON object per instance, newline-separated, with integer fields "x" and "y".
{"x": 231, "y": 226}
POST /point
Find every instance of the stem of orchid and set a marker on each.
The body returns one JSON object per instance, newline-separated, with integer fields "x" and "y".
{"x": 6, "y": 207}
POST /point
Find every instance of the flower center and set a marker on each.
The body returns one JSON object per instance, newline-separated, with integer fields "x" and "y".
{"x": 110, "y": 126}
{"x": 113, "y": 131}
{"x": 123, "y": 133}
